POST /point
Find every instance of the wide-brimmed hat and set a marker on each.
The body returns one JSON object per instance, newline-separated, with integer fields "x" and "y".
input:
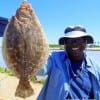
{"x": 75, "y": 32}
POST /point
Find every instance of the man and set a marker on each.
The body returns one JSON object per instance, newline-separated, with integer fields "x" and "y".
{"x": 71, "y": 73}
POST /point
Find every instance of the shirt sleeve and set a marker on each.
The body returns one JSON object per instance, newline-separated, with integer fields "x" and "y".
{"x": 45, "y": 70}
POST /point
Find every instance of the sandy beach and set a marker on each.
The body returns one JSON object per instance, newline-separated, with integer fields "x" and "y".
{"x": 8, "y": 86}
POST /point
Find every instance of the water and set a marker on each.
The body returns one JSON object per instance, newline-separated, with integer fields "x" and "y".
{"x": 94, "y": 54}
{"x": 2, "y": 62}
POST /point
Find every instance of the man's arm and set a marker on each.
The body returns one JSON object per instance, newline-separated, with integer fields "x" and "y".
{"x": 3, "y": 23}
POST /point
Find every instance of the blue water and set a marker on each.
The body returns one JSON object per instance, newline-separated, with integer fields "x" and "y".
{"x": 94, "y": 54}
{"x": 2, "y": 62}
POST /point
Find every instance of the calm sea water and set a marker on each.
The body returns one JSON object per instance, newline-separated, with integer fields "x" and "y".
{"x": 93, "y": 54}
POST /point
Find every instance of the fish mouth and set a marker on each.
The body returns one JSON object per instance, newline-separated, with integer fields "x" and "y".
{"x": 24, "y": 5}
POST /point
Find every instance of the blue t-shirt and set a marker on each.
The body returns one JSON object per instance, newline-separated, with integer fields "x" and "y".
{"x": 80, "y": 83}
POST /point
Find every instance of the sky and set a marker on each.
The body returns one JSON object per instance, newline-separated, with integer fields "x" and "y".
{"x": 56, "y": 15}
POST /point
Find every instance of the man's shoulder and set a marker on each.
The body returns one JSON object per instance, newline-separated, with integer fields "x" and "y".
{"x": 57, "y": 52}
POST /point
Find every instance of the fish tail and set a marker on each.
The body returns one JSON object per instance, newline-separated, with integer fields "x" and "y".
{"x": 24, "y": 89}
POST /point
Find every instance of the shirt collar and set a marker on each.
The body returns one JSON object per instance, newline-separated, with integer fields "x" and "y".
{"x": 87, "y": 61}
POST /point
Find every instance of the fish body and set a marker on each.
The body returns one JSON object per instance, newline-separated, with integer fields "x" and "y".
{"x": 25, "y": 47}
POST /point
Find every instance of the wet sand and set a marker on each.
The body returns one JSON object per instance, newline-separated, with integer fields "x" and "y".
{"x": 8, "y": 86}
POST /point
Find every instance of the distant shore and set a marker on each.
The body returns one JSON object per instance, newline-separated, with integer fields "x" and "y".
{"x": 88, "y": 49}
{"x": 93, "y": 49}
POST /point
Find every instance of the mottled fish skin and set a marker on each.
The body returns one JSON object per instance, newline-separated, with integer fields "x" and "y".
{"x": 25, "y": 47}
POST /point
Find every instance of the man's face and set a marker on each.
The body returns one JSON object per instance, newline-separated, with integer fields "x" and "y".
{"x": 75, "y": 46}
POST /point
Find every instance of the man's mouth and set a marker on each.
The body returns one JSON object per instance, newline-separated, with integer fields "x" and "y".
{"x": 76, "y": 48}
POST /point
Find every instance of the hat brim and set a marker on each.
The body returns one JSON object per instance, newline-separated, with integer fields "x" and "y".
{"x": 75, "y": 34}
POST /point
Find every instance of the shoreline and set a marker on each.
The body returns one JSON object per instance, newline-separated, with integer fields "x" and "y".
{"x": 8, "y": 85}
{"x": 88, "y": 49}
{"x": 93, "y": 49}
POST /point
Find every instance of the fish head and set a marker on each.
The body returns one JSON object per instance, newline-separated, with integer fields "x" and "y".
{"x": 25, "y": 10}
{"x": 24, "y": 5}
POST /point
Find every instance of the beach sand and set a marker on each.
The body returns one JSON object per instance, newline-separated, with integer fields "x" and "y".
{"x": 8, "y": 86}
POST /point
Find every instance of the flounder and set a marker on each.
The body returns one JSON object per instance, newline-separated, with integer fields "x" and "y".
{"x": 25, "y": 47}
